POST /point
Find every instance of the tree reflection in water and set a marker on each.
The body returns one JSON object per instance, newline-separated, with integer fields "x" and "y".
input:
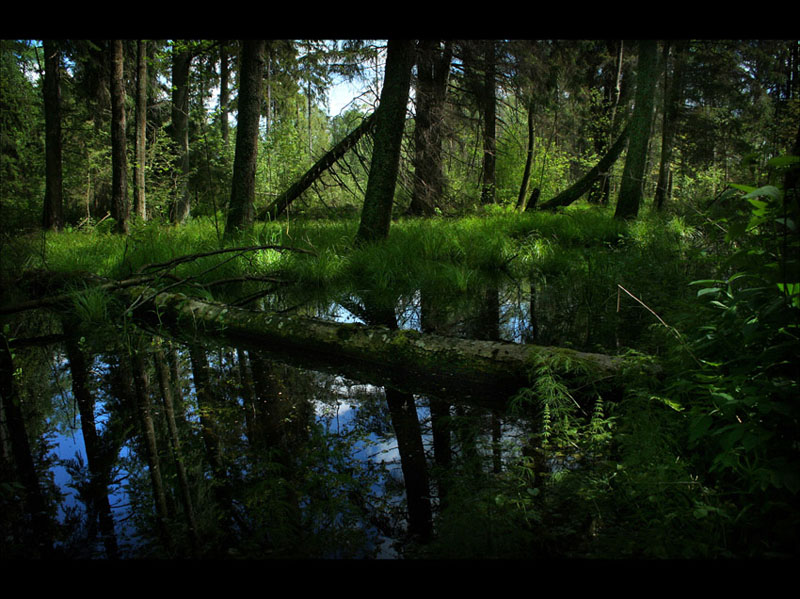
{"x": 192, "y": 450}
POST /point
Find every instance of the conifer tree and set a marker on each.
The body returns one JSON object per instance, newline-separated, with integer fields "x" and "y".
{"x": 630, "y": 193}
{"x": 241, "y": 210}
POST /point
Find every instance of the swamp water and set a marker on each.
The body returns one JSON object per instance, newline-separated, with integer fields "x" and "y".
{"x": 148, "y": 447}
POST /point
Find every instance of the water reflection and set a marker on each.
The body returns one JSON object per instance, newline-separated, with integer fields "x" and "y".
{"x": 132, "y": 445}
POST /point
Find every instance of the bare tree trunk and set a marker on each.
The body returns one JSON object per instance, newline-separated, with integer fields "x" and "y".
{"x": 119, "y": 159}
{"x": 139, "y": 206}
{"x": 433, "y": 70}
{"x": 526, "y": 175}
{"x": 631, "y": 187}
{"x": 376, "y": 215}
{"x": 53, "y": 211}
{"x": 241, "y": 207}
{"x": 672, "y": 97}
{"x": 489, "y": 111}
{"x": 181, "y": 202}
{"x": 224, "y": 93}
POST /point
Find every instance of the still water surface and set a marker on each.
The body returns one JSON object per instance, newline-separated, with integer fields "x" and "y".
{"x": 201, "y": 450}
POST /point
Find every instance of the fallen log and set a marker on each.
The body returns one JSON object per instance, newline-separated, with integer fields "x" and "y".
{"x": 330, "y": 158}
{"x": 584, "y": 184}
{"x": 447, "y": 361}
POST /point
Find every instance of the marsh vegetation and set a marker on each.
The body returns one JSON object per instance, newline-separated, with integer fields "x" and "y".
{"x": 327, "y": 373}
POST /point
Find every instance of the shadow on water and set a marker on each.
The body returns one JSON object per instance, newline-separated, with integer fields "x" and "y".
{"x": 141, "y": 446}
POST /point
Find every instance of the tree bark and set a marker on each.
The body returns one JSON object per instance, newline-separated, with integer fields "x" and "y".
{"x": 224, "y": 94}
{"x": 672, "y": 98}
{"x": 181, "y": 63}
{"x": 283, "y": 201}
{"x": 606, "y": 116}
{"x": 489, "y": 112}
{"x": 584, "y": 184}
{"x": 241, "y": 210}
{"x": 631, "y": 187}
{"x": 433, "y": 70}
{"x": 376, "y": 215}
{"x": 139, "y": 206}
{"x": 526, "y": 175}
{"x": 53, "y": 212}
{"x": 119, "y": 159}
{"x": 397, "y": 355}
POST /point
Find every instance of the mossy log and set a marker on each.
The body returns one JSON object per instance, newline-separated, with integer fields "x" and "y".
{"x": 446, "y": 362}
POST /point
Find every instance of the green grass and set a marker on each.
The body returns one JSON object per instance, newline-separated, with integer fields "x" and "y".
{"x": 580, "y": 252}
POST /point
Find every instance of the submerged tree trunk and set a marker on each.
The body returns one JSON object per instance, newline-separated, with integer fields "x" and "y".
{"x": 53, "y": 213}
{"x": 376, "y": 215}
{"x": 241, "y": 208}
{"x": 283, "y": 201}
{"x": 631, "y": 186}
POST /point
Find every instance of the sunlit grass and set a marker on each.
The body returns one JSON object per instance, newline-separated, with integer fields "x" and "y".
{"x": 582, "y": 246}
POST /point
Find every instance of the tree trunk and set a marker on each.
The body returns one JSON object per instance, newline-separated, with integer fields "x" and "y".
{"x": 323, "y": 164}
{"x": 601, "y": 191}
{"x": 376, "y": 215}
{"x": 241, "y": 210}
{"x": 139, "y": 206}
{"x": 224, "y": 93}
{"x": 631, "y": 187}
{"x": 400, "y": 356}
{"x": 433, "y": 70}
{"x": 53, "y": 212}
{"x": 526, "y": 175}
{"x": 584, "y": 184}
{"x": 489, "y": 112}
{"x": 119, "y": 159}
{"x": 672, "y": 98}
{"x": 181, "y": 203}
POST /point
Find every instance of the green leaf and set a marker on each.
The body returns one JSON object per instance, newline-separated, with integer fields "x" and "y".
{"x": 780, "y": 161}
{"x": 708, "y": 291}
{"x": 769, "y": 191}
{"x": 707, "y": 282}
